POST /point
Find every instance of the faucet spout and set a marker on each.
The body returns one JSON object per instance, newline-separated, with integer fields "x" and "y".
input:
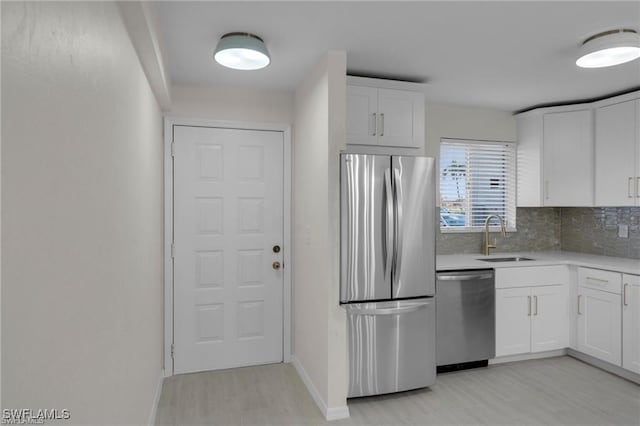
{"x": 503, "y": 229}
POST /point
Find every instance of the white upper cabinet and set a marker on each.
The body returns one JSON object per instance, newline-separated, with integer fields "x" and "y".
{"x": 555, "y": 157}
{"x": 617, "y": 150}
{"x": 568, "y": 158}
{"x": 580, "y": 155}
{"x": 362, "y": 111}
{"x": 385, "y": 117}
{"x": 401, "y": 118}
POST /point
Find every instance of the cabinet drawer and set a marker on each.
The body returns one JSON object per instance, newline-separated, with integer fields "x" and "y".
{"x": 600, "y": 280}
{"x": 531, "y": 276}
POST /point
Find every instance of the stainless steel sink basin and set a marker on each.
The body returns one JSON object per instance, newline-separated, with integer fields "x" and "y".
{"x": 506, "y": 259}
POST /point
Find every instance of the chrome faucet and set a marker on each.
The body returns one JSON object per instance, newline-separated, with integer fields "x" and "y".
{"x": 488, "y": 246}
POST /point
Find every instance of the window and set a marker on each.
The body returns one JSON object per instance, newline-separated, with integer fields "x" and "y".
{"x": 477, "y": 179}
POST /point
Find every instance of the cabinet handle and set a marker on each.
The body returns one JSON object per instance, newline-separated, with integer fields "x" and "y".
{"x": 529, "y": 305}
{"x": 375, "y": 124}
{"x": 579, "y": 296}
{"x": 382, "y": 127}
{"x": 624, "y": 295}
{"x": 535, "y": 298}
{"x": 630, "y": 188}
{"x": 638, "y": 187}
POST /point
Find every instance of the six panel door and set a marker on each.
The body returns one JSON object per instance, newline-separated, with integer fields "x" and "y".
{"x": 228, "y": 216}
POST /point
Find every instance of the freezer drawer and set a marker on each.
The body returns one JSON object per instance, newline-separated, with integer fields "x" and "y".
{"x": 391, "y": 346}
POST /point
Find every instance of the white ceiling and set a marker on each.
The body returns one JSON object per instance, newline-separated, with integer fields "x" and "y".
{"x": 504, "y": 55}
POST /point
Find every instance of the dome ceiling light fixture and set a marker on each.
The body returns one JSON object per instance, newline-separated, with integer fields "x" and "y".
{"x": 609, "y": 48}
{"x": 242, "y": 51}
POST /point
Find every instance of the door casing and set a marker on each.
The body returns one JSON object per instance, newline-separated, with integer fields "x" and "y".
{"x": 287, "y": 270}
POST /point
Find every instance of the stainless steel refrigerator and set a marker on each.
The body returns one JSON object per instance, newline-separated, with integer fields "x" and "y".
{"x": 388, "y": 271}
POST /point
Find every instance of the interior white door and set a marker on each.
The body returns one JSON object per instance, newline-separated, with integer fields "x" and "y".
{"x": 631, "y": 323}
{"x": 513, "y": 321}
{"x": 549, "y": 318}
{"x": 228, "y": 216}
{"x": 600, "y": 324}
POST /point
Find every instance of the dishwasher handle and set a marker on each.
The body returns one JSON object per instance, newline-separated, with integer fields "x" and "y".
{"x": 468, "y": 277}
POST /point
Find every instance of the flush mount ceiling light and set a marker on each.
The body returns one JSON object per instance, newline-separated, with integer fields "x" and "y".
{"x": 242, "y": 51}
{"x": 609, "y": 48}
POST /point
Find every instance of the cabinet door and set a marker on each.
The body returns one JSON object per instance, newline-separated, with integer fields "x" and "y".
{"x": 401, "y": 120}
{"x": 600, "y": 325}
{"x": 549, "y": 318}
{"x": 568, "y": 159}
{"x": 362, "y": 104}
{"x": 615, "y": 154}
{"x": 513, "y": 321}
{"x": 631, "y": 323}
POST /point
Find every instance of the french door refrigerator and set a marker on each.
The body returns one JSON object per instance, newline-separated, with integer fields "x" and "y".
{"x": 387, "y": 282}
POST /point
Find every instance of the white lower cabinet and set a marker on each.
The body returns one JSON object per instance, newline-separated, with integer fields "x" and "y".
{"x": 550, "y": 318}
{"x": 531, "y": 319}
{"x": 599, "y": 314}
{"x": 631, "y": 323}
{"x": 599, "y": 324}
{"x": 513, "y": 321}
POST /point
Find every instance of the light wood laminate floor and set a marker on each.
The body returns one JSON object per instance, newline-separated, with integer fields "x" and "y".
{"x": 551, "y": 391}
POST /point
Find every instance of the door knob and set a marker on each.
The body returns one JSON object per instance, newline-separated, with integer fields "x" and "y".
{"x": 276, "y": 249}
{"x": 276, "y": 265}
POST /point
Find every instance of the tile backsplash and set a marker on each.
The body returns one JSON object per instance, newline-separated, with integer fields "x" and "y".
{"x": 595, "y": 230}
{"x": 580, "y": 229}
{"x": 538, "y": 229}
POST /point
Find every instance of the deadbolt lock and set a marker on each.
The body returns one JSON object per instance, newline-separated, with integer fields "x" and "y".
{"x": 276, "y": 265}
{"x": 276, "y": 249}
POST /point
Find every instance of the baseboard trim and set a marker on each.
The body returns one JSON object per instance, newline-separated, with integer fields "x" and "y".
{"x": 337, "y": 413}
{"x": 524, "y": 357}
{"x": 329, "y": 413}
{"x": 156, "y": 399}
{"x": 603, "y": 365}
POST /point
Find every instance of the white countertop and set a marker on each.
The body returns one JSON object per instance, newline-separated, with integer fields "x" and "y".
{"x": 448, "y": 262}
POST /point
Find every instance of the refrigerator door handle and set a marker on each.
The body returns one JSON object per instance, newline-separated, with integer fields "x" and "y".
{"x": 397, "y": 252}
{"x": 389, "y": 249}
{"x": 362, "y": 309}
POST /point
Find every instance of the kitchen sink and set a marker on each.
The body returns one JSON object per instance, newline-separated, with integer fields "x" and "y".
{"x": 506, "y": 259}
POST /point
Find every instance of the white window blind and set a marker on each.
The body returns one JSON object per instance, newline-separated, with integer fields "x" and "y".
{"x": 477, "y": 179}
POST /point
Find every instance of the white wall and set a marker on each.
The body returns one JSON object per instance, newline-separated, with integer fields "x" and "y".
{"x": 82, "y": 215}
{"x": 457, "y": 122}
{"x": 232, "y": 104}
{"x": 319, "y": 323}
{"x": 1, "y": 405}
{"x": 338, "y": 354}
{"x": 448, "y": 121}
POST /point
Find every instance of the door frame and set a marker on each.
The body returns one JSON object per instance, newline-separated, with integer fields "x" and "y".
{"x": 287, "y": 242}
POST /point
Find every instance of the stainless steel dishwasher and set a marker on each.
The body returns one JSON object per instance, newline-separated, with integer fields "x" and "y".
{"x": 465, "y": 319}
